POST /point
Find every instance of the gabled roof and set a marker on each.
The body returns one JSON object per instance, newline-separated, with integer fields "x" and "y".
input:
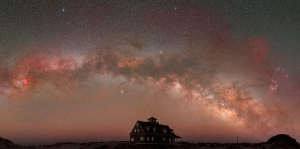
{"x": 158, "y": 128}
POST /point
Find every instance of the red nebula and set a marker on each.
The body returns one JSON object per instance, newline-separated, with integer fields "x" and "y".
{"x": 257, "y": 49}
{"x": 27, "y": 81}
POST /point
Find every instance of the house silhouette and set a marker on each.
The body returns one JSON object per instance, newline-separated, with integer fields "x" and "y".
{"x": 152, "y": 132}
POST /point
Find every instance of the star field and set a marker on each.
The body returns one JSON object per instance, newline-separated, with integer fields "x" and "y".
{"x": 87, "y": 70}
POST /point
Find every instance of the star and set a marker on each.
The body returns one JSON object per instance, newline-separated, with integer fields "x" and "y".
{"x": 236, "y": 61}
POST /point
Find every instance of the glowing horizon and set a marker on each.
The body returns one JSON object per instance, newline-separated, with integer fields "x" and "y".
{"x": 87, "y": 71}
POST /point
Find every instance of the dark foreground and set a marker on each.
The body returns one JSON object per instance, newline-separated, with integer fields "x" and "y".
{"x": 277, "y": 142}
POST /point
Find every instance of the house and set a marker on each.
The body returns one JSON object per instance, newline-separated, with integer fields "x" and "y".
{"x": 152, "y": 132}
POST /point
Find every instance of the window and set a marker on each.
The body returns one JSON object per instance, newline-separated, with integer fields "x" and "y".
{"x": 154, "y": 129}
{"x": 152, "y": 138}
{"x": 134, "y": 130}
{"x": 137, "y": 124}
{"x": 165, "y": 130}
{"x": 147, "y": 138}
{"x": 142, "y": 138}
{"x": 164, "y": 139}
{"x": 147, "y": 128}
{"x": 132, "y": 139}
{"x": 137, "y": 130}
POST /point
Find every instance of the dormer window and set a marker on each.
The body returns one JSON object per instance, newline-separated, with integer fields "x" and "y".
{"x": 137, "y": 124}
{"x": 147, "y": 128}
{"x": 154, "y": 129}
{"x": 165, "y": 130}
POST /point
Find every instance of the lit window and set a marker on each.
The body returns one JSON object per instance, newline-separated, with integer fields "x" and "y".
{"x": 132, "y": 139}
{"x": 164, "y": 139}
{"x": 152, "y": 138}
{"x": 142, "y": 138}
{"x": 147, "y": 138}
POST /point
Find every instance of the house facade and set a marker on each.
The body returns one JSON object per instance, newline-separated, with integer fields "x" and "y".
{"x": 151, "y": 132}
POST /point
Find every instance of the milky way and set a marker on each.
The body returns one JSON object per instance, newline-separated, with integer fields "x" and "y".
{"x": 211, "y": 70}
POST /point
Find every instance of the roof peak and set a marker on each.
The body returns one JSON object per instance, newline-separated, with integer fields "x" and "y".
{"x": 152, "y": 118}
{"x": 157, "y": 123}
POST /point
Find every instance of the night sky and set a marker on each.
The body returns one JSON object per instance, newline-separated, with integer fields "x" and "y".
{"x": 86, "y": 71}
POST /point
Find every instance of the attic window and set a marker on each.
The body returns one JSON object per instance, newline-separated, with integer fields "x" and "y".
{"x": 165, "y": 130}
{"x": 147, "y": 128}
{"x": 137, "y": 124}
{"x": 154, "y": 129}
